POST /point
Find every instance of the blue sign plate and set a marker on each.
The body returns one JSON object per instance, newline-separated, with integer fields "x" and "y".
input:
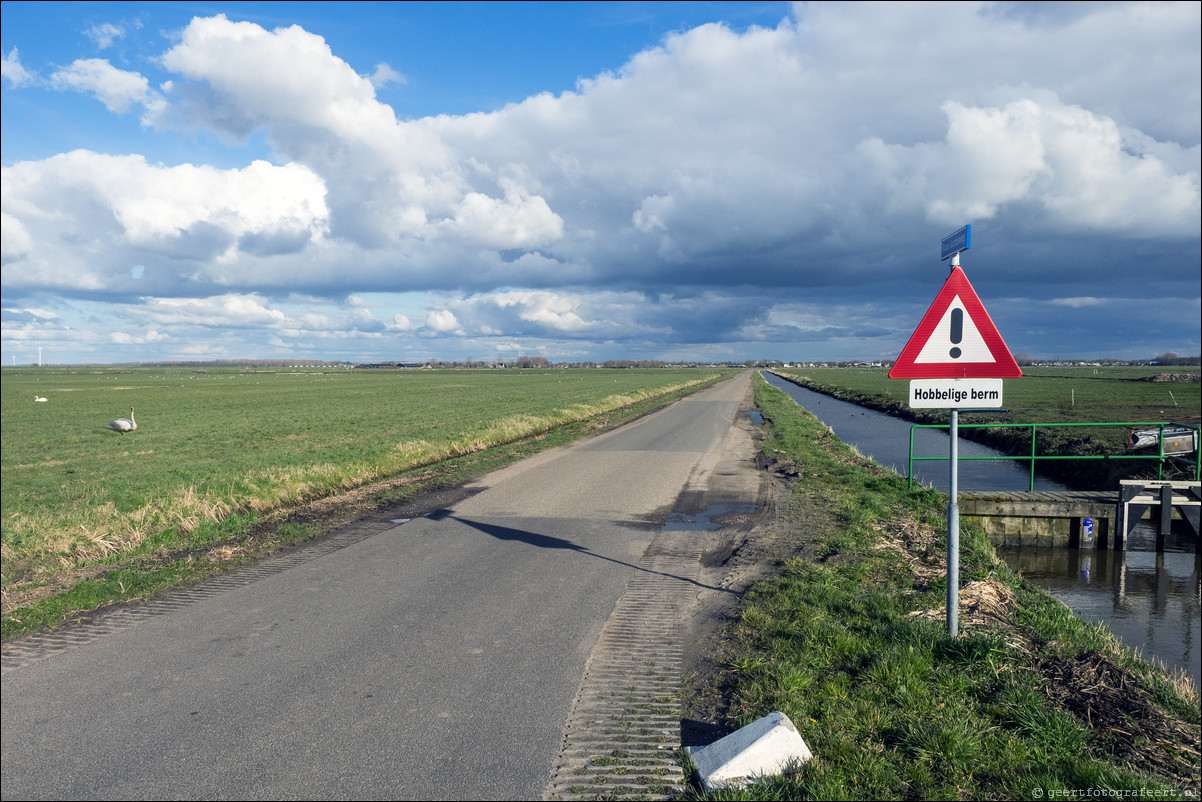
{"x": 955, "y": 243}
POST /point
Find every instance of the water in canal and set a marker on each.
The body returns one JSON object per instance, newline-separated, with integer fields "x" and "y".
{"x": 1152, "y": 601}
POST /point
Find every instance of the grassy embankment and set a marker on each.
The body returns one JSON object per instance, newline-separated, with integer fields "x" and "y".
{"x": 1074, "y": 395}
{"x": 850, "y": 641}
{"x": 228, "y": 463}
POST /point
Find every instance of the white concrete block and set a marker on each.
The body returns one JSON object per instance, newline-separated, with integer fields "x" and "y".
{"x": 763, "y": 748}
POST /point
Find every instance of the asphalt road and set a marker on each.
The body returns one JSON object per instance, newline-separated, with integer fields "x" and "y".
{"x": 436, "y": 659}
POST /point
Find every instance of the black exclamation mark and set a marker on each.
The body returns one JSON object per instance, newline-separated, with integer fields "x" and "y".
{"x": 957, "y": 330}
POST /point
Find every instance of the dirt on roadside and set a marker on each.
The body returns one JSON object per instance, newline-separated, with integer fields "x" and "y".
{"x": 786, "y": 527}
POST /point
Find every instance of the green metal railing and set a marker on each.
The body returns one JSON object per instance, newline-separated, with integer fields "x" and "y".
{"x": 1033, "y": 458}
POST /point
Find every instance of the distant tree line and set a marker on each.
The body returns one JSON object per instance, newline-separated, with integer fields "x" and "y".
{"x": 1172, "y": 359}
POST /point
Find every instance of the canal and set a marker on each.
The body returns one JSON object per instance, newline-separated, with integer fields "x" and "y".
{"x": 1153, "y": 602}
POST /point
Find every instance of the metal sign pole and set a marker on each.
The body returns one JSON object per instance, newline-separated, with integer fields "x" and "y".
{"x": 953, "y": 533}
{"x": 953, "y": 517}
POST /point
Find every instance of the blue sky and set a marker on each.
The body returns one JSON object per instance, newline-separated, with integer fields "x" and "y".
{"x": 594, "y": 180}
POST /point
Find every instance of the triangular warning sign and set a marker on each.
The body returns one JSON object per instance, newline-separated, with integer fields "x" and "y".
{"x": 956, "y": 340}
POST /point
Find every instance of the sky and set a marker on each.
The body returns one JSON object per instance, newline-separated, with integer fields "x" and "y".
{"x": 594, "y": 181}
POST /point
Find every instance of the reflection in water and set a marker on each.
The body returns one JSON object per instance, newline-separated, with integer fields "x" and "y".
{"x": 1152, "y": 601}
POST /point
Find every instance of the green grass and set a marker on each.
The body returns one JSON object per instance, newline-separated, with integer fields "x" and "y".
{"x": 892, "y": 707}
{"x": 217, "y": 450}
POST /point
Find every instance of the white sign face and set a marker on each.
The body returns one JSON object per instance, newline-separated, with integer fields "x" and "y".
{"x": 955, "y": 339}
{"x": 955, "y": 393}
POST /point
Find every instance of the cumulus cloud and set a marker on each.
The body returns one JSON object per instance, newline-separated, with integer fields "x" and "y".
{"x": 530, "y": 312}
{"x": 400, "y": 323}
{"x": 443, "y": 321}
{"x": 117, "y": 89}
{"x": 517, "y": 221}
{"x": 15, "y": 242}
{"x": 223, "y": 311}
{"x": 105, "y": 34}
{"x": 384, "y": 75}
{"x": 1072, "y": 164}
{"x": 12, "y": 71}
{"x": 386, "y": 180}
{"x": 79, "y": 204}
{"x": 145, "y": 338}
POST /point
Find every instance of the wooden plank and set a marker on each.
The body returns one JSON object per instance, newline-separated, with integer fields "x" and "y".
{"x": 1178, "y": 501}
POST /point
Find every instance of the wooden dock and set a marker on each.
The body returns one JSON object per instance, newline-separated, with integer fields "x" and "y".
{"x": 1138, "y": 496}
{"x": 1080, "y": 519}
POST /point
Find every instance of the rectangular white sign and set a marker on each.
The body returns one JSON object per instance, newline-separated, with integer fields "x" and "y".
{"x": 955, "y": 393}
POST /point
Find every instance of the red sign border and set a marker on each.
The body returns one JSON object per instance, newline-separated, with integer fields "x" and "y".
{"x": 1003, "y": 366}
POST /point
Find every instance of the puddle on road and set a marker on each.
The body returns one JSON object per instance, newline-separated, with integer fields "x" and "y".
{"x": 709, "y": 520}
{"x": 757, "y": 417}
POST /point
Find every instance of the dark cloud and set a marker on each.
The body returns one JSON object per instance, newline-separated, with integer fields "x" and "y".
{"x": 275, "y": 243}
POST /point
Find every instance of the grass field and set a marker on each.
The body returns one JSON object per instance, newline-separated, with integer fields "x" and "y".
{"x": 1046, "y": 395}
{"x": 222, "y": 443}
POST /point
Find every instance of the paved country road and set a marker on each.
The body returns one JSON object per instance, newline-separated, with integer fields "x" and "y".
{"x": 434, "y": 658}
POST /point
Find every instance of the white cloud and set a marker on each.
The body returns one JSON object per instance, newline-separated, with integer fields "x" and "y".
{"x": 400, "y": 323}
{"x": 550, "y": 309}
{"x": 1073, "y": 164}
{"x": 40, "y": 314}
{"x": 105, "y": 34}
{"x": 265, "y": 77}
{"x": 385, "y": 179}
{"x": 990, "y": 157}
{"x": 117, "y": 89}
{"x": 12, "y": 71}
{"x": 651, "y": 213}
{"x": 15, "y": 242}
{"x": 443, "y": 321}
{"x": 1080, "y": 303}
{"x": 591, "y": 314}
{"x": 146, "y": 338}
{"x": 385, "y": 75}
{"x": 256, "y": 316}
{"x": 518, "y": 221}
{"x": 222, "y": 311}
{"x": 77, "y": 203}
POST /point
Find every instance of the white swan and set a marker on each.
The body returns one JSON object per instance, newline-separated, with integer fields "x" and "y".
{"x": 123, "y": 425}
{"x": 39, "y": 399}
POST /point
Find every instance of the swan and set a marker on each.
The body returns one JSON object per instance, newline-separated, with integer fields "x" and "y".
{"x": 39, "y": 399}
{"x": 123, "y": 425}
